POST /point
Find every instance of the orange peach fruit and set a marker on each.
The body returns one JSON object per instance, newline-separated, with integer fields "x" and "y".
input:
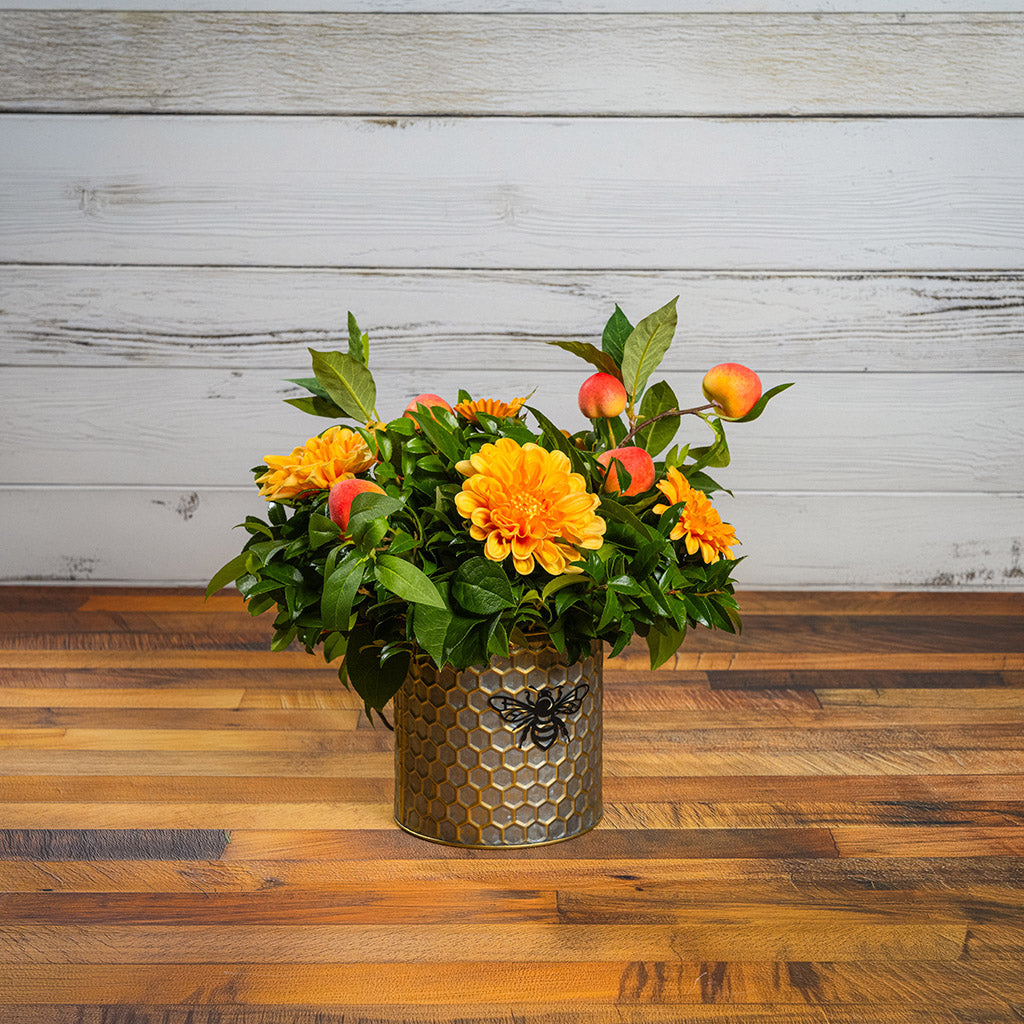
{"x": 339, "y": 502}
{"x": 430, "y": 401}
{"x": 602, "y": 396}
{"x": 638, "y": 464}
{"x": 733, "y": 388}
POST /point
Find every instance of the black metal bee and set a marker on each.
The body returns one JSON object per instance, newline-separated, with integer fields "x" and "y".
{"x": 540, "y": 717}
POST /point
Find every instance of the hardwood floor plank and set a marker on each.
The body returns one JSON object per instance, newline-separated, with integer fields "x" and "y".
{"x": 637, "y": 983}
{"x": 835, "y": 936}
{"x": 111, "y": 844}
{"x": 509, "y": 1013}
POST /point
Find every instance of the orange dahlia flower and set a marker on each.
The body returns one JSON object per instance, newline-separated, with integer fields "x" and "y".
{"x": 699, "y": 523}
{"x": 525, "y": 501}
{"x": 336, "y": 454}
{"x": 489, "y": 407}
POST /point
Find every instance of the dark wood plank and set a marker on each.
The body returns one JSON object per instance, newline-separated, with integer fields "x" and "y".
{"x": 112, "y": 844}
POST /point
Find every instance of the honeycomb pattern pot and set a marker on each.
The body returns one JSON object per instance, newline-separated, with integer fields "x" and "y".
{"x": 502, "y": 756}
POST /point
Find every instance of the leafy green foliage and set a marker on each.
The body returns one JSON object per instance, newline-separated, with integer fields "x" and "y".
{"x": 408, "y": 580}
{"x": 646, "y": 346}
{"x": 616, "y": 331}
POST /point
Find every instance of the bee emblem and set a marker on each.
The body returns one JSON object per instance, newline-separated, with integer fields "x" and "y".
{"x": 540, "y": 718}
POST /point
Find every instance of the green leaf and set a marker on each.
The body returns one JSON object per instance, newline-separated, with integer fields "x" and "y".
{"x": 611, "y": 509}
{"x": 714, "y": 454}
{"x": 556, "y": 439}
{"x": 440, "y": 435}
{"x": 560, "y": 583}
{"x": 340, "y": 589}
{"x": 430, "y": 627}
{"x": 367, "y": 507}
{"x": 334, "y": 646}
{"x": 227, "y": 573}
{"x": 358, "y": 343}
{"x": 592, "y": 354}
{"x": 376, "y": 683}
{"x": 616, "y": 331}
{"x": 662, "y": 642}
{"x": 317, "y": 407}
{"x": 322, "y": 530}
{"x": 480, "y": 586}
{"x": 283, "y": 637}
{"x": 406, "y": 581}
{"x": 497, "y": 638}
{"x": 761, "y": 403}
{"x": 466, "y": 641}
{"x": 348, "y": 382}
{"x": 658, "y": 436}
{"x": 612, "y": 611}
{"x": 646, "y": 347}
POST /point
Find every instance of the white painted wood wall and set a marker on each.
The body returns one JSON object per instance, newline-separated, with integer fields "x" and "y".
{"x": 189, "y": 198}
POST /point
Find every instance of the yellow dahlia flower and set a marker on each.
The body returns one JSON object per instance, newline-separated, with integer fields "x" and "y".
{"x": 489, "y": 407}
{"x": 525, "y": 501}
{"x": 699, "y": 523}
{"x": 336, "y": 454}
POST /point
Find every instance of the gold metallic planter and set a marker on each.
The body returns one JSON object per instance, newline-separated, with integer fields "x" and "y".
{"x": 503, "y": 756}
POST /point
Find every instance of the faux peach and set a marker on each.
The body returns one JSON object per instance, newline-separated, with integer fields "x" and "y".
{"x": 430, "y": 401}
{"x": 602, "y": 396}
{"x": 637, "y": 462}
{"x": 339, "y": 502}
{"x": 733, "y": 388}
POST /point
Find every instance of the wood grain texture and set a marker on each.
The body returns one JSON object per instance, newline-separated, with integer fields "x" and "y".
{"x": 918, "y": 541}
{"x": 886, "y": 194}
{"x": 523, "y": 6}
{"x": 236, "y": 318}
{"x": 395, "y": 64}
{"x": 770, "y": 854}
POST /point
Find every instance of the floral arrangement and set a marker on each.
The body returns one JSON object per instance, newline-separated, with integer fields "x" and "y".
{"x": 454, "y": 531}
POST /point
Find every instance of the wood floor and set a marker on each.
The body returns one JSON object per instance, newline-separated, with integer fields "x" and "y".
{"x": 821, "y": 821}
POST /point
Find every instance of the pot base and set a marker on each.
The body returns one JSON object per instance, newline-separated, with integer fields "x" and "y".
{"x": 497, "y": 846}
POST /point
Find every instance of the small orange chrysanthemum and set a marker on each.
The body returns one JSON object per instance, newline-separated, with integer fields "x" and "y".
{"x": 490, "y": 407}
{"x": 526, "y": 501}
{"x": 336, "y": 454}
{"x": 699, "y": 523}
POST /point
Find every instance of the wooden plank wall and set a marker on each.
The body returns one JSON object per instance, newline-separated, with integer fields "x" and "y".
{"x": 190, "y": 198}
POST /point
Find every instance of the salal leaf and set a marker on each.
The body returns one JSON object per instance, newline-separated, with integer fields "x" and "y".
{"x": 339, "y": 594}
{"x": 444, "y": 437}
{"x": 321, "y": 530}
{"x": 367, "y": 507}
{"x": 228, "y": 573}
{"x": 555, "y": 439}
{"x": 715, "y": 454}
{"x": 762, "y": 402}
{"x": 347, "y": 382}
{"x": 560, "y": 583}
{"x": 375, "y": 682}
{"x": 358, "y": 343}
{"x": 430, "y": 627}
{"x": 616, "y": 331}
{"x": 658, "y": 436}
{"x": 481, "y": 587}
{"x": 646, "y": 347}
{"x": 406, "y": 581}
{"x": 592, "y": 354}
{"x": 662, "y": 642}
